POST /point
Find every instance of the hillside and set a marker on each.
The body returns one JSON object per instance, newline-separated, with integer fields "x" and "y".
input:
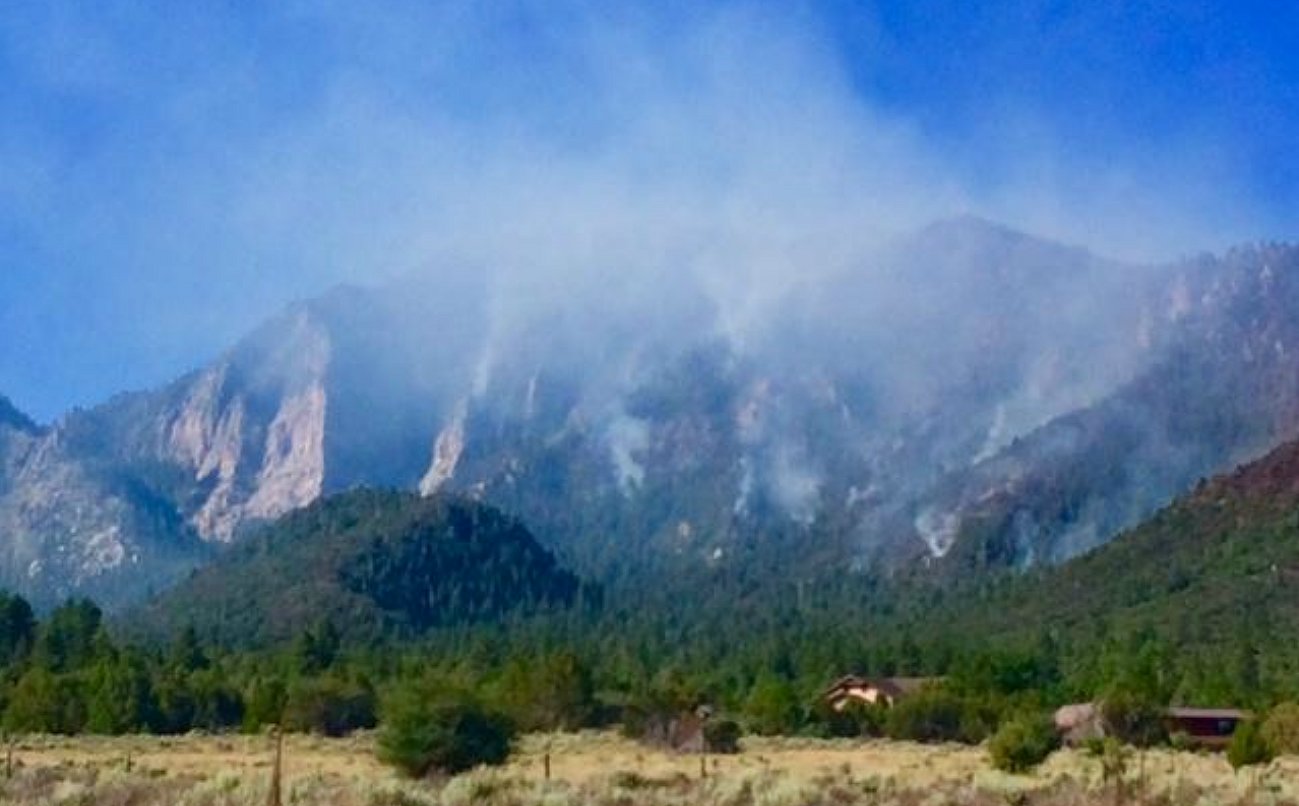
{"x": 1218, "y": 567}
{"x": 1222, "y": 390}
{"x": 373, "y": 563}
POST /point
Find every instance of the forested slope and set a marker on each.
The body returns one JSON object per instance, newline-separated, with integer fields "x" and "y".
{"x": 375, "y": 564}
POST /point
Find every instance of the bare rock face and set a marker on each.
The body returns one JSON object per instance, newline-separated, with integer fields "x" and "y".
{"x": 447, "y": 449}
{"x": 254, "y": 470}
{"x": 208, "y": 438}
{"x": 293, "y": 463}
{"x": 74, "y": 527}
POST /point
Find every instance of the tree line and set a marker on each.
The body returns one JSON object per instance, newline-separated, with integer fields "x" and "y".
{"x": 69, "y": 673}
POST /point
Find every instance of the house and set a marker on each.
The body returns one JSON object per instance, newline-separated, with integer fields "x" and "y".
{"x": 885, "y": 691}
{"x": 1207, "y": 727}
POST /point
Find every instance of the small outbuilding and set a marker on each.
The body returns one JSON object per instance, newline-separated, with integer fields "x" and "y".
{"x": 1207, "y": 727}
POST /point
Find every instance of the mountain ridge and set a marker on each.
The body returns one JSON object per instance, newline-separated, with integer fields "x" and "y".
{"x": 871, "y": 411}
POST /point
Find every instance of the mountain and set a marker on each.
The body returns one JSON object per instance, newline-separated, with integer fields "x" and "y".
{"x": 1221, "y": 390}
{"x": 373, "y": 564}
{"x": 1217, "y": 567}
{"x": 65, "y": 516}
{"x": 963, "y": 397}
{"x": 14, "y": 420}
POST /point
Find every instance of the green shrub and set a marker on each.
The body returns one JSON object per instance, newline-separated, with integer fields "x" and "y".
{"x": 329, "y": 706}
{"x": 1022, "y": 743}
{"x": 426, "y": 727}
{"x": 1281, "y": 729}
{"x": 1248, "y": 747}
{"x": 854, "y": 719}
{"x": 722, "y": 736}
{"x": 927, "y": 716}
{"x": 551, "y": 692}
{"x": 772, "y": 708}
{"x": 1134, "y": 719}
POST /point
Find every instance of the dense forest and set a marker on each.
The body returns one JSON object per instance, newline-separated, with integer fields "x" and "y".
{"x": 377, "y": 564}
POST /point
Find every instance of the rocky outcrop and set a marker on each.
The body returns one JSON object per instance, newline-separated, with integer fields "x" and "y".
{"x": 255, "y": 470}
{"x": 447, "y": 449}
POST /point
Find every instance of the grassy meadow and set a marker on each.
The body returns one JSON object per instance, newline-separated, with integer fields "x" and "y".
{"x": 606, "y": 770}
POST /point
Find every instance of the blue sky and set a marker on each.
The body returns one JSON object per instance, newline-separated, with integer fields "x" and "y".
{"x": 171, "y": 173}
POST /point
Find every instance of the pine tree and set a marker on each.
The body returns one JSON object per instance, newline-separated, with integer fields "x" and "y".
{"x": 17, "y": 629}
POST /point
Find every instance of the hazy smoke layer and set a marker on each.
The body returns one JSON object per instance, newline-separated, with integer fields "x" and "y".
{"x": 204, "y": 166}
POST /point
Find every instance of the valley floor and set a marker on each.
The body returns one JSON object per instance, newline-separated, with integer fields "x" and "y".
{"x": 602, "y": 768}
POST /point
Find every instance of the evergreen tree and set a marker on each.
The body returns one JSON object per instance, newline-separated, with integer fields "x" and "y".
{"x": 71, "y": 637}
{"x": 772, "y": 707}
{"x": 17, "y": 629}
{"x": 265, "y": 702}
{"x": 42, "y": 702}
{"x": 553, "y": 692}
{"x": 316, "y": 648}
{"x": 119, "y": 696}
{"x": 186, "y": 654}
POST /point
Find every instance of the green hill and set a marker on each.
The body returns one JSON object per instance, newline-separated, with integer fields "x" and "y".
{"x": 1217, "y": 567}
{"x": 375, "y": 564}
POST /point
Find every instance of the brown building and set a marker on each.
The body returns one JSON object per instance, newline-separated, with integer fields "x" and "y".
{"x": 1206, "y": 727}
{"x": 885, "y": 691}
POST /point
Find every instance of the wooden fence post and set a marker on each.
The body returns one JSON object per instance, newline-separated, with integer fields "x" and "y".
{"x": 273, "y": 797}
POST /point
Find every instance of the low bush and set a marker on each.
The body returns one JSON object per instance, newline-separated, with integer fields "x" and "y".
{"x": 853, "y": 720}
{"x": 1022, "y": 743}
{"x": 428, "y": 727}
{"x": 1281, "y": 729}
{"x": 1134, "y": 719}
{"x": 1248, "y": 747}
{"x": 933, "y": 715}
{"x": 329, "y": 706}
{"x": 722, "y": 736}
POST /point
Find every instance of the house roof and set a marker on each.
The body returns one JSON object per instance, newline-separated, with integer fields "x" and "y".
{"x": 892, "y": 686}
{"x": 909, "y": 684}
{"x": 1207, "y": 713}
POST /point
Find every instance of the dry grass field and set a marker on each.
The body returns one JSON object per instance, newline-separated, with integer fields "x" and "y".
{"x": 605, "y": 770}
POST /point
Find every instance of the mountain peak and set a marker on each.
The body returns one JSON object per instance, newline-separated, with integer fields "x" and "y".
{"x": 977, "y": 235}
{"x": 10, "y": 416}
